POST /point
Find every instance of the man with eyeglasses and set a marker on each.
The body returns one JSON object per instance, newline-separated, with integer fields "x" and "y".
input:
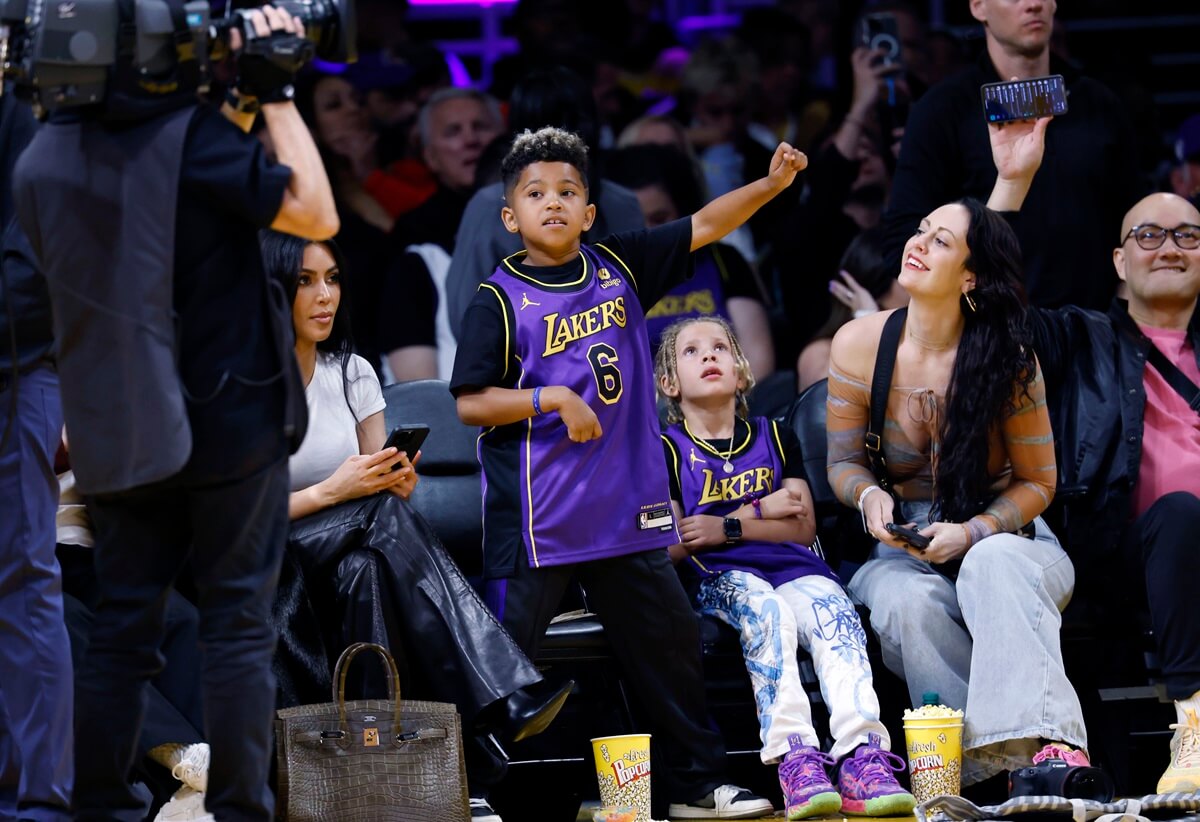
{"x": 1122, "y": 389}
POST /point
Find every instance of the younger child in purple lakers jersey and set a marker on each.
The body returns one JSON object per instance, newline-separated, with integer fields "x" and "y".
{"x": 746, "y": 521}
{"x": 554, "y": 363}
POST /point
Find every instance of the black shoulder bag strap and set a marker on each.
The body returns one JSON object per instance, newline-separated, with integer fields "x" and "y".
{"x": 1175, "y": 378}
{"x": 881, "y": 383}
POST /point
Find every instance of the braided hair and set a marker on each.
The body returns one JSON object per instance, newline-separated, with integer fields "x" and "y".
{"x": 666, "y": 365}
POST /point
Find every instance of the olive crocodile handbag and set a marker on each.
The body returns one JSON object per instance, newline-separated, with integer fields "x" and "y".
{"x": 371, "y": 760}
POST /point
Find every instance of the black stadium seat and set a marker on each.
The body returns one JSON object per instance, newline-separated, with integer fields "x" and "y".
{"x": 449, "y": 495}
{"x": 839, "y": 527}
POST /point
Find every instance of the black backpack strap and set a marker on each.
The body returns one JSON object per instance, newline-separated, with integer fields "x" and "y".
{"x": 1175, "y": 378}
{"x": 881, "y": 383}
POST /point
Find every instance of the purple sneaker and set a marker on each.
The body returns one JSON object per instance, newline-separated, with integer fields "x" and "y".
{"x": 868, "y": 785}
{"x": 805, "y": 781}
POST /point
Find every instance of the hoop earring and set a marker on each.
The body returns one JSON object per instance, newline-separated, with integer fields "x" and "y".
{"x": 970, "y": 302}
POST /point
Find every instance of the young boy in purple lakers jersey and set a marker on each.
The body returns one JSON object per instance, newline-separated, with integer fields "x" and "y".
{"x": 554, "y": 363}
{"x": 746, "y": 523}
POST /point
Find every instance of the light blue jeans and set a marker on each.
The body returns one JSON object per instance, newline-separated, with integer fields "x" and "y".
{"x": 815, "y": 614}
{"x": 987, "y": 643}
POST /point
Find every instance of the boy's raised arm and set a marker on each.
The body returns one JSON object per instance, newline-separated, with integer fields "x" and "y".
{"x": 727, "y": 212}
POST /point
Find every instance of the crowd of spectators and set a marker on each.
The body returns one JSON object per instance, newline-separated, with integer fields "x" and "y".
{"x": 673, "y": 120}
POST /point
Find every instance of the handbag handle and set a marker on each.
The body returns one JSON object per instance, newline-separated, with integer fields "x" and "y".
{"x": 343, "y": 667}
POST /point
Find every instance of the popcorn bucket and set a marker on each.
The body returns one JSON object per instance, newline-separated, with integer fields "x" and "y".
{"x": 933, "y": 742}
{"x": 623, "y": 772}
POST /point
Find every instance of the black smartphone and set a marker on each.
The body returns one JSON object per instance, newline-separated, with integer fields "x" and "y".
{"x": 407, "y": 438}
{"x": 1024, "y": 99}
{"x": 910, "y": 535}
{"x": 881, "y": 32}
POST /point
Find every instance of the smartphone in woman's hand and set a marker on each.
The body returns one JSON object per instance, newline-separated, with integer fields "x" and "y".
{"x": 909, "y": 535}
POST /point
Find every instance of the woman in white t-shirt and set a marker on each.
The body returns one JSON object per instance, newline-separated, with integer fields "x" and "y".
{"x": 361, "y": 564}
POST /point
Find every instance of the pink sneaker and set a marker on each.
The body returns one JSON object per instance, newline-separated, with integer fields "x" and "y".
{"x": 805, "y": 781}
{"x": 1060, "y": 750}
{"x": 867, "y": 783}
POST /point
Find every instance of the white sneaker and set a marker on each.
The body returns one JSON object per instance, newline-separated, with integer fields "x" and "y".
{"x": 1183, "y": 774}
{"x": 192, "y": 767}
{"x": 726, "y": 802}
{"x": 186, "y": 804}
{"x": 481, "y": 811}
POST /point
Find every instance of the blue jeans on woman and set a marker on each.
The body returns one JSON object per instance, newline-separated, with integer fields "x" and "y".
{"x": 987, "y": 641}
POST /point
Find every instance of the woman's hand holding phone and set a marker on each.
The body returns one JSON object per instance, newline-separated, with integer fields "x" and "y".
{"x": 405, "y": 475}
{"x": 947, "y": 541}
{"x": 878, "y": 510}
{"x": 364, "y": 474}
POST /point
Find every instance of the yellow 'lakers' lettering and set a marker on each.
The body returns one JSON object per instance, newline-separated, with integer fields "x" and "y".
{"x": 694, "y": 302}
{"x": 562, "y": 330}
{"x": 720, "y": 489}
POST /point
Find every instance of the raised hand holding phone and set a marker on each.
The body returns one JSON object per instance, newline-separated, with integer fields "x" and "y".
{"x": 1017, "y": 150}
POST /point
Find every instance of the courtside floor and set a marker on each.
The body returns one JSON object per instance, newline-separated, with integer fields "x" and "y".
{"x": 585, "y": 815}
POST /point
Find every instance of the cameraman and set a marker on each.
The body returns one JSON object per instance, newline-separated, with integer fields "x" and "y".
{"x": 179, "y": 389}
{"x": 36, "y": 693}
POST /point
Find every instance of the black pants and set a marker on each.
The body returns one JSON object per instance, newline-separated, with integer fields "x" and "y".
{"x": 655, "y": 635}
{"x": 174, "y": 711}
{"x": 233, "y": 533}
{"x": 1162, "y": 544}
{"x": 374, "y": 571}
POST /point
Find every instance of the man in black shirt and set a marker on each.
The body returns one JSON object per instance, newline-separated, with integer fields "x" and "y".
{"x": 1088, "y": 179}
{"x": 455, "y": 126}
{"x": 181, "y": 396}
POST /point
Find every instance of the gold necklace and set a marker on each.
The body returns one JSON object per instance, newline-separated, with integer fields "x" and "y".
{"x": 929, "y": 345}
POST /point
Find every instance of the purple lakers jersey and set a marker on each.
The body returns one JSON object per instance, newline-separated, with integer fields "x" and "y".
{"x": 703, "y": 294}
{"x": 610, "y": 496}
{"x": 757, "y": 459}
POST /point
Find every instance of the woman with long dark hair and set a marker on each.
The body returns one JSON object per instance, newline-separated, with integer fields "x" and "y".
{"x": 361, "y": 565}
{"x": 968, "y": 454}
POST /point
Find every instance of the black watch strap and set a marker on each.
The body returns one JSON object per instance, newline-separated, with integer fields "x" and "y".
{"x": 284, "y": 94}
{"x": 733, "y": 529}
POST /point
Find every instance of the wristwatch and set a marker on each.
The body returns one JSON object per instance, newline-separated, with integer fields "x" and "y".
{"x": 733, "y": 529}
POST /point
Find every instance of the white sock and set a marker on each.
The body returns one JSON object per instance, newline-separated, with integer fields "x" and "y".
{"x": 1185, "y": 706}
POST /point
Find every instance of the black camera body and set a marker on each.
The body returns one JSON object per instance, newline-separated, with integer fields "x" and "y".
{"x": 71, "y": 53}
{"x": 1054, "y": 777}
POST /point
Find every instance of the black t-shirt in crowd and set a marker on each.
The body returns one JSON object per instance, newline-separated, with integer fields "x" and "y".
{"x": 409, "y": 282}
{"x": 229, "y": 361}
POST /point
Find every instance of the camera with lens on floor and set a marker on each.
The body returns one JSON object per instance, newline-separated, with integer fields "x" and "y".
{"x": 1055, "y": 777}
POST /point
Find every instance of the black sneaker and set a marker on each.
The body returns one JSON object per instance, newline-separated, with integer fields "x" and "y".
{"x": 481, "y": 811}
{"x": 726, "y": 802}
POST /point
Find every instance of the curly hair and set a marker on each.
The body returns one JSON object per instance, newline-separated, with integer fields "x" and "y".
{"x": 665, "y": 365}
{"x": 546, "y": 145}
{"x": 994, "y": 367}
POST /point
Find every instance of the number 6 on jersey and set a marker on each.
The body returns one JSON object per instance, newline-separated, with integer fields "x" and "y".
{"x": 603, "y": 358}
